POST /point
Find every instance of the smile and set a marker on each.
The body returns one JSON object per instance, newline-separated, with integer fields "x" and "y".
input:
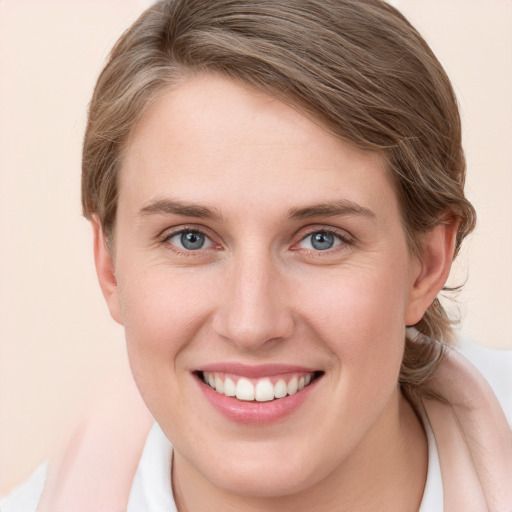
{"x": 257, "y": 395}
{"x": 260, "y": 390}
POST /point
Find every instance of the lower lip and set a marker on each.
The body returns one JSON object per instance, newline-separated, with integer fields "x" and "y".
{"x": 256, "y": 413}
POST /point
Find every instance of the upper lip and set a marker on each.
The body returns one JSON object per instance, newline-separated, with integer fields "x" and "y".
{"x": 255, "y": 371}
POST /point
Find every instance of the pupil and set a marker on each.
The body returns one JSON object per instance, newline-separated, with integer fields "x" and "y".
{"x": 192, "y": 240}
{"x": 322, "y": 241}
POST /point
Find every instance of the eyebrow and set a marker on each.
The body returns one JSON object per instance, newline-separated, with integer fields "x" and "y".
{"x": 331, "y": 209}
{"x": 174, "y": 207}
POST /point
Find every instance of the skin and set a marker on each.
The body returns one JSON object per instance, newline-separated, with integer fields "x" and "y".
{"x": 258, "y": 292}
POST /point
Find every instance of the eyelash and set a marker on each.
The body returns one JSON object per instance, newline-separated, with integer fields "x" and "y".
{"x": 344, "y": 240}
{"x": 168, "y": 235}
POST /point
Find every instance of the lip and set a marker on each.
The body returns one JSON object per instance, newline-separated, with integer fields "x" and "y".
{"x": 256, "y": 413}
{"x": 256, "y": 372}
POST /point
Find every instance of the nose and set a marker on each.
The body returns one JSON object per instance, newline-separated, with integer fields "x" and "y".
{"x": 253, "y": 310}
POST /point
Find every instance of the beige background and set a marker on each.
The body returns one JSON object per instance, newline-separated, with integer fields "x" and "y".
{"x": 57, "y": 343}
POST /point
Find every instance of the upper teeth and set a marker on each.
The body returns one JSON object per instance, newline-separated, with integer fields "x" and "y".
{"x": 261, "y": 390}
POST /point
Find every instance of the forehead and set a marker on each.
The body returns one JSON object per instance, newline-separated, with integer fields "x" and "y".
{"x": 211, "y": 139}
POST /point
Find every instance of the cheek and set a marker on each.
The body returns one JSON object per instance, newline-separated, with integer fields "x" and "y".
{"x": 360, "y": 316}
{"x": 162, "y": 315}
{"x": 162, "y": 312}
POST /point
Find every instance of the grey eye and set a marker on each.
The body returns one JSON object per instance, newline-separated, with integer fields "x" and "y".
{"x": 320, "y": 241}
{"x": 190, "y": 240}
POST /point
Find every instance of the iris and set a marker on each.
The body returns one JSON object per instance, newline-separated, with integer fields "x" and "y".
{"x": 192, "y": 240}
{"x": 322, "y": 240}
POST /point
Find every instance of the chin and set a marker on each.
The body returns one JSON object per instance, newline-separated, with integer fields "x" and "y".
{"x": 266, "y": 472}
{"x": 264, "y": 482}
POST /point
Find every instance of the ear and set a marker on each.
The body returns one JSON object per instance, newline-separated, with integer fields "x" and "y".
{"x": 105, "y": 270}
{"x": 432, "y": 268}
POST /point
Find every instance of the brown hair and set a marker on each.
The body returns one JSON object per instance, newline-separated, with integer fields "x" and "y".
{"x": 356, "y": 66}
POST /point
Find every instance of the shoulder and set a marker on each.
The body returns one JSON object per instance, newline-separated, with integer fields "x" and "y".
{"x": 467, "y": 396}
{"x": 25, "y": 497}
{"x": 104, "y": 445}
{"x": 496, "y": 366}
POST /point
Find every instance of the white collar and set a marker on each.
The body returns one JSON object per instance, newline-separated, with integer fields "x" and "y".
{"x": 151, "y": 490}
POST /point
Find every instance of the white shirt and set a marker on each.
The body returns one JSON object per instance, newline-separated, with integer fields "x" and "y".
{"x": 151, "y": 489}
{"x": 433, "y": 493}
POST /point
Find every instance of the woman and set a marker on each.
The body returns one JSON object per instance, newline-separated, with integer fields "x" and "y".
{"x": 276, "y": 193}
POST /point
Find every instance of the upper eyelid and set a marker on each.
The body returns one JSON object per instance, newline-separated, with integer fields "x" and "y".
{"x": 342, "y": 233}
{"x": 170, "y": 232}
{"x": 164, "y": 240}
{"x": 346, "y": 239}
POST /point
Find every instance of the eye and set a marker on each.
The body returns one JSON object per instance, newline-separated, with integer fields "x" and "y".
{"x": 189, "y": 240}
{"x": 321, "y": 240}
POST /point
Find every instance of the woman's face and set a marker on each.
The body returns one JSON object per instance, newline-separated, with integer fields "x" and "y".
{"x": 257, "y": 251}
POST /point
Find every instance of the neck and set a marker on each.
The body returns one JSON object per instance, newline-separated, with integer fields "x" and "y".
{"x": 391, "y": 461}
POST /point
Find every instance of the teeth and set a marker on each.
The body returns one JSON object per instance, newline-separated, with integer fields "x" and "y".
{"x": 219, "y": 384}
{"x": 244, "y": 390}
{"x": 229, "y": 387}
{"x": 280, "y": 389}
{"x": 293, "y": 386}
{"x": 262, "y": 391}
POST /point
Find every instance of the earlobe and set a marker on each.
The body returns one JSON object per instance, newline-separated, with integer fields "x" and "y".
{"x": 105, "y": 271}
{"x": 431, "y": 273}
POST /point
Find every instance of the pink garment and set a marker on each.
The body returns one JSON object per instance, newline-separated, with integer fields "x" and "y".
{"x": 473, "y": 438}
{"x": 474, "y": 441}
{"x": 95, "y": 470}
